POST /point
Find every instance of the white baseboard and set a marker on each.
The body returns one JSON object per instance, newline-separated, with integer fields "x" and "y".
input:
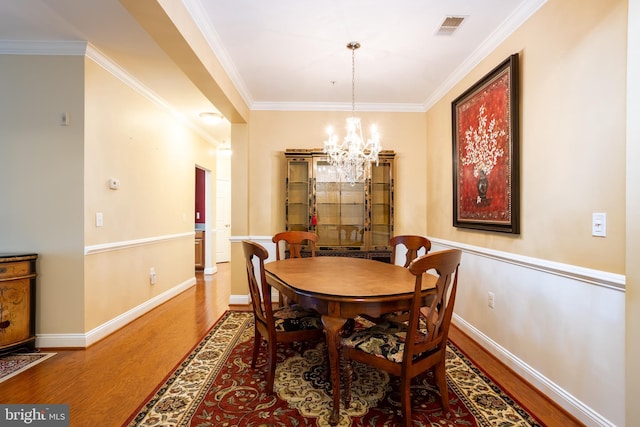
{"x": 96, "y": 334}
{"x": 239, "y": 300}
{"x": 535, "y": 378}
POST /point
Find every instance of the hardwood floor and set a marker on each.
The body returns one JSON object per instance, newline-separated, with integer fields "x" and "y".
{"x": 106, "y": 382}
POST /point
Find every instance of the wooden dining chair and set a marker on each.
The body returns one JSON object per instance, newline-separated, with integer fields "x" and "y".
{"x": 293, "y": 240}
{"x": 283, "y": 325}
{"x": 411, "y": 243}
{"x": 407, "y": 350}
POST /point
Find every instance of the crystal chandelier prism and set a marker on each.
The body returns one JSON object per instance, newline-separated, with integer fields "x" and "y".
{"x": 353, "y": 156}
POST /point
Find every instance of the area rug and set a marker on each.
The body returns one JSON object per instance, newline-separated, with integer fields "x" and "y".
{"x": 14, "y": 363}
{"x": 215, "y": 386}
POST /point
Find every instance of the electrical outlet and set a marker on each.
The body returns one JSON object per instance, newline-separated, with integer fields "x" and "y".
{"x": 491, "y": 300}
{"x": 152, "y": 275}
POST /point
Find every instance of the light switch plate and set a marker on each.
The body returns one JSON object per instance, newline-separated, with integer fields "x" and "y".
{"x": 599, "y": 224}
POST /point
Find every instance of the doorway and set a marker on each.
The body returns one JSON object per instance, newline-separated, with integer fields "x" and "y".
{"x": 223, "y": 204}
{"x": 203, "y": 221}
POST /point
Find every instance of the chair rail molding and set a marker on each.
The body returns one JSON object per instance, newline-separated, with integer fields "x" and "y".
{"x": 586, "y": 275}
{"x": 126, "y": 244}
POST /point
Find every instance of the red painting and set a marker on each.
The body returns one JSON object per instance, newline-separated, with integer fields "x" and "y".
{"x": 485, "y": 149}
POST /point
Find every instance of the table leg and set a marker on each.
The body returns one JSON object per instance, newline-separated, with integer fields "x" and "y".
{"x": 332, "y": 328}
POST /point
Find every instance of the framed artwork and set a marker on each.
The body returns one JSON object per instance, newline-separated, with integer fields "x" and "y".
{"x": 486, "y": 187}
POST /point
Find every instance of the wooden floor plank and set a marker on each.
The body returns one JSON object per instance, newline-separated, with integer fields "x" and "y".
{"x": 106, "y": 382}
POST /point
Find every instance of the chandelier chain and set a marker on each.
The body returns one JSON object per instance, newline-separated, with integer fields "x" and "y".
{"x": 353, "y": 77}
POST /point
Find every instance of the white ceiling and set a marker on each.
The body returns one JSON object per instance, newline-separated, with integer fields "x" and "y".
{"x": 283, "y": 54}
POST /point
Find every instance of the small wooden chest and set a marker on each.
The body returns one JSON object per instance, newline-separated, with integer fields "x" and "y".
{"x": 17, "y": 301}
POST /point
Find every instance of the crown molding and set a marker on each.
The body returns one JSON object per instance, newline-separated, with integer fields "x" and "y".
{"x": 199, "y": 16}
{"x": 43, "y": 47}
{"x": 325, "y": 106}
{"x": 117, "y": 71}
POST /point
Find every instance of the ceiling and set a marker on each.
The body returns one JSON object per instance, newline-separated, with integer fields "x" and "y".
{"x": 279, "y": 54}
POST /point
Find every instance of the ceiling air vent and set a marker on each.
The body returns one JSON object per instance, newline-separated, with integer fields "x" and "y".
{"x": 450, "y": 25}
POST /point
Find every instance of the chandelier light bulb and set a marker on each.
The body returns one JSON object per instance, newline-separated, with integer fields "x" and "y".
{"x": 330, "y": 131}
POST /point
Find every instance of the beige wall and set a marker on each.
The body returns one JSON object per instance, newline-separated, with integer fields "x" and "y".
{"x": 272, "y": 132}
{"x": 572, "y": 139}
{"x": 240, "y": 174}
{"x": 153, "y": 154}
{"x": 41, "y": 185}
{"x": 55, "y": 177}
{"x": 573, "y": 146}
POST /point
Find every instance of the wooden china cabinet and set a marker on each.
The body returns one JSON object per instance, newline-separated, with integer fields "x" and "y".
{"x": 350, "y": 219}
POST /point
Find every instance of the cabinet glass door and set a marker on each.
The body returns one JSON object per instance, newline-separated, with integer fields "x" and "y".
{"x": 340, "y": 209}
{"x": 298, "y": 195}
{"x": 381, "y": 205}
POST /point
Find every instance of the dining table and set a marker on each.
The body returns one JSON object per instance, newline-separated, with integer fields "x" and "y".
{"x": 342, "y": 288}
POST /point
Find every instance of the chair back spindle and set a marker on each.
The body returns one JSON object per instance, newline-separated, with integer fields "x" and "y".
{"x": 412, "y": 244}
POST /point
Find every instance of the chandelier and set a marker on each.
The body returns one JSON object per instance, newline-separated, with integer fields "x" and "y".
{"x": 353, "y": 156}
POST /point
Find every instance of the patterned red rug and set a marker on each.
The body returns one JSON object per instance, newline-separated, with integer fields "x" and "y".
{"x": 215, "y": 386}
{"x": 14, "y": 363}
